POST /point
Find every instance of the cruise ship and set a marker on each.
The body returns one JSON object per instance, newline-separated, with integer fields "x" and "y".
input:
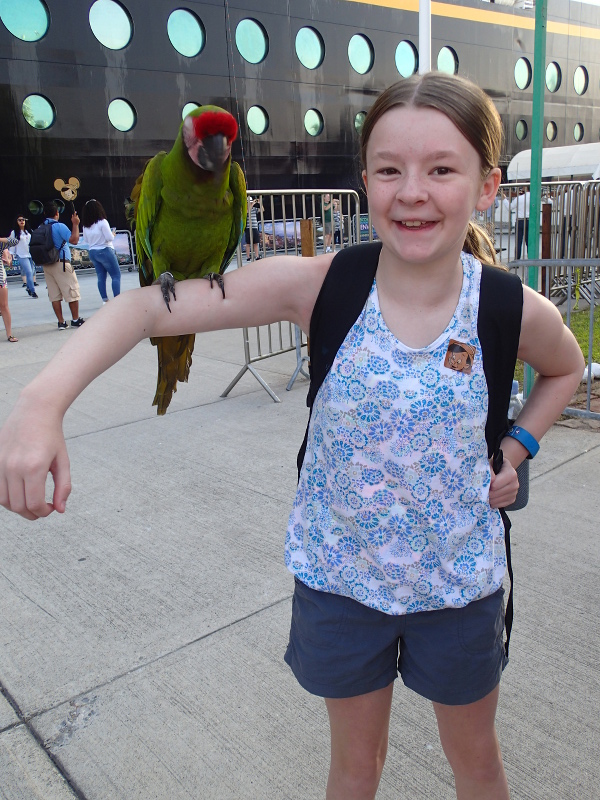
{"x": 91, "y": 90}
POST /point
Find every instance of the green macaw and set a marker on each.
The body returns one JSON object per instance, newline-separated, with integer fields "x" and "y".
{"x": 190, "y": 212}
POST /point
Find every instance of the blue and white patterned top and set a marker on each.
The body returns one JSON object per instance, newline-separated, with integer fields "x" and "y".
{"x": 392, "y": 503}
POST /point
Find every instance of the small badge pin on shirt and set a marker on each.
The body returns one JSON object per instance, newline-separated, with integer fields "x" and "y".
{"x": 460, "y": 356}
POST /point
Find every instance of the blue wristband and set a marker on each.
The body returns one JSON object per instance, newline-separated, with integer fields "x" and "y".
{"x": 525, "y": 438}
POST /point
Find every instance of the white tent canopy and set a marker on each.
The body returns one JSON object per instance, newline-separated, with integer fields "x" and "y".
{"x": 576, "y": 160}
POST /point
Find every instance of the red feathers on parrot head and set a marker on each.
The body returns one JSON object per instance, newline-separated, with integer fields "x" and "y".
{"x": 211, "y": 122}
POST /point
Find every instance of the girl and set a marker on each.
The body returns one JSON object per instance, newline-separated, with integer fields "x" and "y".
{"x": 4, "y": 309}
{"x": 21, "y": 250}
{"x": 394, "y": 539}
{"x": 99, "y": 238}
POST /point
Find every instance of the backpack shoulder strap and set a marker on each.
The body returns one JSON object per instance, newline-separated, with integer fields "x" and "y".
{"x": 499, "y": 329}
{"x": 342, "y": 297}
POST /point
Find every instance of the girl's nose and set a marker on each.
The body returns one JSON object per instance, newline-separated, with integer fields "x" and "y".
{"x": 411, "y": 190}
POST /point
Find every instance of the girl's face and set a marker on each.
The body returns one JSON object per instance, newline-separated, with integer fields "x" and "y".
{"x": 423, "y": 180}
{"x": 21, "y": 222}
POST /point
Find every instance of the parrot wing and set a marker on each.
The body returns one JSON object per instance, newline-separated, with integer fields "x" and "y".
{"x": 147, "y": 207}
{"x": 237, "y": 184}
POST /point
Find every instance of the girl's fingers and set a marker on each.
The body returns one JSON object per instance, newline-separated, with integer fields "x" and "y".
{"x": 61, "y": 474}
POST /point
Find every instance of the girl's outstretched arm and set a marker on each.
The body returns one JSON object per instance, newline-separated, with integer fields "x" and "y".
{"x": 553, "y": 352}
{"x": 32, "y": 444}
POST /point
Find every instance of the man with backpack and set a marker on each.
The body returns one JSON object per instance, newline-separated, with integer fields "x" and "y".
{"x": 49, "y": 246}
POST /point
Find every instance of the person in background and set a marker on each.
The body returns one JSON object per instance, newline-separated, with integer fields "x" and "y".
{"x": 337, "y": 223}
{"x": 61, "y": 279}
{"x": 252, "y": 232}
{"x": 4, "y": 310}
{"x": 327, "y": 224}
{"x": 520, "y": 205}
{"x": 21, "y": 250}
{"x": 99, "y": 238}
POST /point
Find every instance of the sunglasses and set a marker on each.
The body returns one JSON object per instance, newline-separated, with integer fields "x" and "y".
{"x": 21, "y": 219}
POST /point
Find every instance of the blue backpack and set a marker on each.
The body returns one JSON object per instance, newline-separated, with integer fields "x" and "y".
{"x": 42, "y": 248}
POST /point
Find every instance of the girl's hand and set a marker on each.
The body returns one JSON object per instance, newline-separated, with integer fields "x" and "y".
{"x": 31, "y": 446}
{"x": 504, "y": 486}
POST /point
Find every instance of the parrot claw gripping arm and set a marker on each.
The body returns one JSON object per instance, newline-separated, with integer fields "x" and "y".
{"x": 214, "y": 276}
{"x": 167, "y": 286}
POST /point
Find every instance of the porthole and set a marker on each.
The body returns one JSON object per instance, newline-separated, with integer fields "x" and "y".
{"x": 359, "y": 121}
{"x": 447, "y": 61}
{"x": 188, "y": 108}
{"x": 251, "y": 41}
{"x": 27, "y": 20}
{"x": 186, "y": 32}
{"x": 35, "y": 207}
{"x": 551, "y": 131}
{"x": 407, "y": 59}
{"x": 313, "y": 122}
{"x": 523, "y": 73}
{"x": 122, "y": 115}
{"x": 111, "y": 24}
{"x": 578, "y": 132}
{"x": 553, "y": 77}
{"x": 521, "y": 130}
{"x": 581, "y": 80}
{"x": 360, "y": 53}
{"x": 257, "y": 119}
{"x": 38, "y": 112}
{"x": 310, "y": 48}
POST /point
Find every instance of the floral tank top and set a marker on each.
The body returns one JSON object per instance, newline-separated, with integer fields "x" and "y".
{"x": 392, "y": 502}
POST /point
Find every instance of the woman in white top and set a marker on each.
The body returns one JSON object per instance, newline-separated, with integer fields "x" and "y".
{"x": 21, "y": 250}
{"x": 99, "y": 238}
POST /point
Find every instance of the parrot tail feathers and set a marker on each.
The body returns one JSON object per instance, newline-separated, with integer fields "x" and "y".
{"x": 174, "y": 362}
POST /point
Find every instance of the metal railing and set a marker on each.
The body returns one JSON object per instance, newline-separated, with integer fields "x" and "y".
{"x": 278, "y": 214}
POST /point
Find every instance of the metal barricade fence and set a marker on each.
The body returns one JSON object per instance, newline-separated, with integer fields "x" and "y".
{"x": 543, "y": 281}
{"x": 278, "y": 215}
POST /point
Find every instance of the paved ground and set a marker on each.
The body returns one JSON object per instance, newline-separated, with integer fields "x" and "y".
{"x": 142, "y": 634}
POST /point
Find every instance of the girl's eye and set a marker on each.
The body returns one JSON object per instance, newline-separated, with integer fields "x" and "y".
{"x": 388, "y": 170}
{"x": 442, "y": 171}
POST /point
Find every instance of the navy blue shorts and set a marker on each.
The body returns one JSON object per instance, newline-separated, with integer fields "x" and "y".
{"x": 341, "y": 648}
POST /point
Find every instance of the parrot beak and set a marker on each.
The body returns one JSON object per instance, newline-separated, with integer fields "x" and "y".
{"x": 214, "y": 152}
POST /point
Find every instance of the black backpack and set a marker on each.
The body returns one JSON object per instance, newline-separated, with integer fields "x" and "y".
{"x": 42, "y": 248}
{"x": 341, "y": 300}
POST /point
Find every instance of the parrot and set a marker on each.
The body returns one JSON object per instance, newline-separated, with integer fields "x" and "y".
{"x": 189, "y": 207}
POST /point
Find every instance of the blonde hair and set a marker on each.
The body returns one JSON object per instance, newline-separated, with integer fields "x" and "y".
{"x": 470, "y": 109}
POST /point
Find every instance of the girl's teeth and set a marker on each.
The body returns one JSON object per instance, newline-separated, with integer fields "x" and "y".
{"x": 412, "y": 224}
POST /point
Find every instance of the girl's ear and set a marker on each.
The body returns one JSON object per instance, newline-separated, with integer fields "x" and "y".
{"x": 364, "y": 177}
{"x": 489, "y": 189}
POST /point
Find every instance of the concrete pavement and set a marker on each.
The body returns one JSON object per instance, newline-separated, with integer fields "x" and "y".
{"x": 142, "y": 633}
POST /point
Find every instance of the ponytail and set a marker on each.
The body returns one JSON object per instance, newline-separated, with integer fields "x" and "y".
{"x": 478, "y": 244}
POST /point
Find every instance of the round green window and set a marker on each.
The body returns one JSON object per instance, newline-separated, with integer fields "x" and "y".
{"x": 122, "y": 115}
{"x": 186, "y": 32}
{"x": 447, "y": 61}
{"x": 310, "y": 48}
{"x": 360, "y": 54}
{"x": 521, "y": 130}
{"x": 27, "y": 19}
{"x": 258, "y": 120}
{"x": 111, "y": 24}
{"x": 359, "y": 121}
{"x": 578, "y": 132}
{"x": 553, "y": 77}
{"x": 38, "y": 111}
{"x": 407, "y": 59}
{"x": 581, "y": 80}
{"x": 523, "y": 73}
{"x": 188, "y": 107}
{"x": 313, "y": 122}
{"x": 251, "y": 41}
{"x": 551, "y": 131}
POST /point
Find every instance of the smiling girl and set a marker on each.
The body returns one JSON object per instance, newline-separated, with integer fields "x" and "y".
{"x": 395, "y": 540}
